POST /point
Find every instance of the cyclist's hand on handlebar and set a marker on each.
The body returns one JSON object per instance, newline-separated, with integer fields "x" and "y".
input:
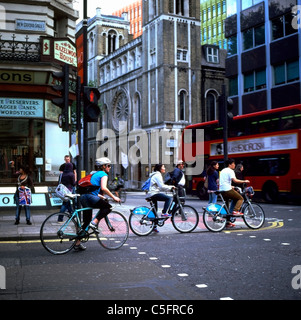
{"x": 117, "y": 199}
{"x": 247, "y": 181}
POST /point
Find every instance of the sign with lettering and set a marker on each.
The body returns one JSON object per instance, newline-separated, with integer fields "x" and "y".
{"x": 271, "y": 143}
{"x": 31, "y": 25}
{"x": 21, "y": 108}
{"x": 64, "y": 51}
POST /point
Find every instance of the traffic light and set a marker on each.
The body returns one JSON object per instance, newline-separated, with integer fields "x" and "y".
{"x": 91, "y": 108}
{"x": 225, "y": 110}
{"x": 62, "y": 77}
{"x": 229, "y": 109}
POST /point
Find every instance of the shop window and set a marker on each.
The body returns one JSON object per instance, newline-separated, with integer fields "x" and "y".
{"x": 21, "y": 141}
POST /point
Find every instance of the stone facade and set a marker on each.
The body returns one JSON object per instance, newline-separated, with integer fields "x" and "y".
{"x": 159, "y": 81}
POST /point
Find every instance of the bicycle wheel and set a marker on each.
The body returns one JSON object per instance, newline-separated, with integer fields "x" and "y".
{"x": 253, "y": 216}
{"x": 122, "y": 195}
{"x": 214, "y": 221}
{"x": 58, "y": 233}
{"x": 186, "y": 220}
{"x": 139, "y": 223}
{"x": 113, "y": 230}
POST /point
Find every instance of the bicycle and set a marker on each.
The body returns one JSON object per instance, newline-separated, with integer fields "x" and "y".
{"x": 143, "y": 220}
{"x": 215, "y": 216}
{"x": 60, "y": 231}
{"x": 119, "y": 192}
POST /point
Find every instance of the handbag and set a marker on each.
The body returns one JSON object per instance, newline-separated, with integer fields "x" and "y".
{"x": 61, "y": 191}
{"x": 206, "y": 182}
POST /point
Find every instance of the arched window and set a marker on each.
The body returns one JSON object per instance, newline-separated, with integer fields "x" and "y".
{"x": 182, "y": 109}
{"x": 211, "y": 107}
{"x": 112, "y": 37}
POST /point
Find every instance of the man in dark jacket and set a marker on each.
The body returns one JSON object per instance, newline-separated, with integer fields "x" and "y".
{"x": 178, "y": 178}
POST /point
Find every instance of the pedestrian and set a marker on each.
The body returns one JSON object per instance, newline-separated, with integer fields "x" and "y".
{"x": 23, "y": 194}
{"x": 157, "y": 186}
{"x": 178, "y": 179}
{"x": 67, "y": 179}
{"x": 67, "y": 159}
{"x": 227, "y": 176}
{"x": 239, "y": 175}
{"x": 212, "y": 179}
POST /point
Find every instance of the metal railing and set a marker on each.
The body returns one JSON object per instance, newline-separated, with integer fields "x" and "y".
{"x": 13, "y": 50}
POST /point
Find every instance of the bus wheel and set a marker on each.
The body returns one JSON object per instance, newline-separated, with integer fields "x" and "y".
{"x": 201, "y": 191}
{"x": 270, "y": 191}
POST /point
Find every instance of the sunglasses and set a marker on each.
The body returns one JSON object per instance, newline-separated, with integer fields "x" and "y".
{"x": 108, "y": 166}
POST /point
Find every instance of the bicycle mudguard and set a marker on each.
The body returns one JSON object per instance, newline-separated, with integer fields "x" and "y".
{"x": 214, "y": 207}
{"x": 143, "y": 211}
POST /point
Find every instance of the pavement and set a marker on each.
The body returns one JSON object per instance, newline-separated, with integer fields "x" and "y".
{"x": 21, "y": 232}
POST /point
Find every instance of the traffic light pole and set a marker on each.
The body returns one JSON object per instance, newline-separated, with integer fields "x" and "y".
{"x": 85, "y": 80}
{"x": 225, "y": 121}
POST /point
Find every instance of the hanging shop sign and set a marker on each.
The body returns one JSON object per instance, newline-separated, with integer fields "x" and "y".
{"x": 62, "y": 50}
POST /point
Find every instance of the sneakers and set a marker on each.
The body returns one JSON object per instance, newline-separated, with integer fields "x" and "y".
{"x": 93, "y": 227}
{"x": 79, "y": 247}
{"x": 237, "y": 214}
{"x": 155, "y": 230}
{"x": 165, "y": 215}
{"x": 230, "y": 225}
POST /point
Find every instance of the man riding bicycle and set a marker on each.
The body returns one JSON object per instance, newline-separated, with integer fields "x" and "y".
{"x": 227, "y": 175}
{"x": 95, "y": 199}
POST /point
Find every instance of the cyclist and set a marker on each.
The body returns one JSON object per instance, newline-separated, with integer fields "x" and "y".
{"x": 157, "y": 186}
{"x": 95, "y": 199}
{"x": 118, "y": 183}
{"x": 227, "y": 176}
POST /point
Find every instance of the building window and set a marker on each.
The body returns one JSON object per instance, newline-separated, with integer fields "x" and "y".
{"x": 232, "y": 45}
{"x": 286, "y": 72}
{"x": 233, "y": 86}
{"x": 249, "y": 3}
{"x": 204, "y": 15}
{"x": 255, "y": 80}
{"x": 182, "y": 104}
{"x": 253, "y": 37}
{"x": 182, "y": 55}
{"x": 211, "y": 107}
{"x": 282, "y": 26}
{"x": 212, "y": 55}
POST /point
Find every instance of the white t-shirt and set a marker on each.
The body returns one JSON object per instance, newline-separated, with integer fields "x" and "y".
{"x": 225, "y": 179}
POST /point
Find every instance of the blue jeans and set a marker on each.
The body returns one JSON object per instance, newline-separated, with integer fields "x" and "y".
{"x": 162, "y": 197}
{"x": 27, "y": 212}
{"x": 212, "y": 197}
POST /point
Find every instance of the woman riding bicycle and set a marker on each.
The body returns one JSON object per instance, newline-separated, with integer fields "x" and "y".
{"x": 95, "y": 199}
{"x": 157, "y": 186}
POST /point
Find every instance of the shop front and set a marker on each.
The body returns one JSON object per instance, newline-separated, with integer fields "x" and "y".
{"x": 30, "y": 136}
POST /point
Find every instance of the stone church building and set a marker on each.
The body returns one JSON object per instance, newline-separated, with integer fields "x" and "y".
{"x": 151, "y": 87}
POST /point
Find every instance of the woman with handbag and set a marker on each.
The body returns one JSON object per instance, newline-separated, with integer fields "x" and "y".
{"x": 68, "y": 180}
{"x": 23, "y": 194}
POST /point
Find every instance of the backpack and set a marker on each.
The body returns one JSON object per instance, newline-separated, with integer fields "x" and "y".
{"x": 146, "y": 185}
{"x": 85, "y": 185}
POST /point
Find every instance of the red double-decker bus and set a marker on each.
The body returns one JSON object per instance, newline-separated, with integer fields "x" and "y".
{"x": 267, "y": 143}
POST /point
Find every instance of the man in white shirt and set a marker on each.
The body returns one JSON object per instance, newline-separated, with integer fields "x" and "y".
{"x": 227, "y": 175}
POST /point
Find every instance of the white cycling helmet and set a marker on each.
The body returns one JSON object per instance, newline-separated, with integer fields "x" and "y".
{"x": 102, "y": 161}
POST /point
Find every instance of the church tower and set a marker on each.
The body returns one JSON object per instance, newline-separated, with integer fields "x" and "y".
{"x": 171, "y": 63}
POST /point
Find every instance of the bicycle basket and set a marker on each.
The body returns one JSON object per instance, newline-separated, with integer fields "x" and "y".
{"x": 144, "y": 211}
{"x": 214, "y": 207}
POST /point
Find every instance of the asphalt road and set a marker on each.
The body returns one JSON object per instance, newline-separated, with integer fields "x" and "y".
{"x": 238, "y": 264}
